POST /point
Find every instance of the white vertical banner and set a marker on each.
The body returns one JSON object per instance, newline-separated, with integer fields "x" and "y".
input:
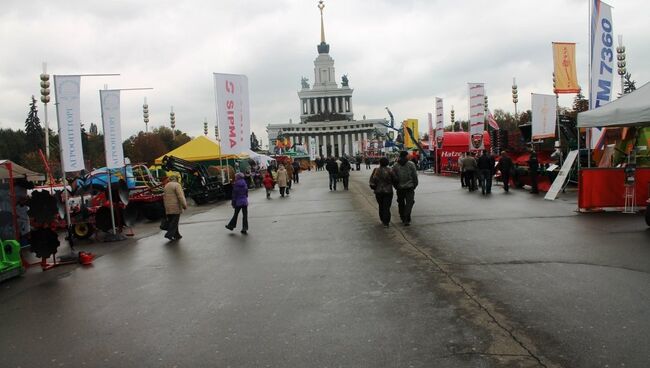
{"x": 233, "y": 112}
{"x": 68, "y": 109}
{"x": 110, "y": 104}
{"x": 603, "y": 55}
{"x": 544, "y": 108}
{"x": 440, "y": 122}
{"x": 476, "y": 115}
{"x": 312, "y": 148}
{"x": 431, "y": 132}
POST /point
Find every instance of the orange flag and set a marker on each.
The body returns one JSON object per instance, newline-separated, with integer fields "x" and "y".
{"x": 564, "y": 60}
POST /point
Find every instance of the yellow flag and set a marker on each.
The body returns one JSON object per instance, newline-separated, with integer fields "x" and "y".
{"x": 564, "y": 60}
{"x": 413, "y": 124}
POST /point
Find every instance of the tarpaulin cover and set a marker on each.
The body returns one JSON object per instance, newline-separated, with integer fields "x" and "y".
{"x": 200, "y": 148}
{"x": 18, "y": 172}
{"x": 631, "y": 109}
{"x": 605, "y": 188}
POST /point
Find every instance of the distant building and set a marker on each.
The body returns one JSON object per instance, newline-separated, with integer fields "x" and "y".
{"x": 326, "y": 113}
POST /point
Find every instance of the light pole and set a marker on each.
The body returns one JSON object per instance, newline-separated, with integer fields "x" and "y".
{"x": 453, "y": 119}
{"x": 45, "y": 98}
{"x": 515, "y": 95}
{"x": 620, "y": 51}
{"x": 172, "y": 122}
{"x": 145, "y": 115}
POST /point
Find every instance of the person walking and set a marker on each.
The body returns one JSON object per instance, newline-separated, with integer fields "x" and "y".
{"x": 333, "y": 169}
{"x": 268, "y": 184}
{"x": 344, "y": 172}
{"x": 533, "y": 167}
{"x": 289, "y": 168}
{"x": 461, "y": 170}
{"x": 407, "y": 181}
{"x": 470, "y": 167}
{"x": 366, "y": 160}
{"x": 505, "y": 166}
{"x": 239, "y": 203}
{"x": 486, "y": 170}
{"x": 175, "y": 203}
{"x": 357, "y": 162}
{"x": 282, "y": 179}
{"x": 296, "y": 170}
{"x": 382, "y": 181}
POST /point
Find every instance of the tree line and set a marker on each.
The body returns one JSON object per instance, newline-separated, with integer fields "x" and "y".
{"x": 22, "y": 145}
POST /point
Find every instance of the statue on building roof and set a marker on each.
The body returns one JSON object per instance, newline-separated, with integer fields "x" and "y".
{"x": 344, "y": 80}
{"x": 305, "y": 82}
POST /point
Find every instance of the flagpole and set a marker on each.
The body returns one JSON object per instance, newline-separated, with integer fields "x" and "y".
{"x": 591, "y": 51}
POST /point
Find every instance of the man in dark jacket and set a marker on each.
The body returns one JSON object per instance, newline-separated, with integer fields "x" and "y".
{"x": 533, "y": 166}
{"x": 296, "y": 170}
{"x": 505, "y": 165}
{"x": 333, "y": 169}
{"x": 344, "y": 172}
{"x": 407, "y": 181}
{"x": 486, "y": 170}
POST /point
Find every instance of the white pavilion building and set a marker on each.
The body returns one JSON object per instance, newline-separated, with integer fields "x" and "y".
{"x": 326, "y": 112}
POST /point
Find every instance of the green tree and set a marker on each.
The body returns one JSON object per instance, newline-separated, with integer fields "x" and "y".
{"x": 628, "y": 85}
{"x": 13, "y": 145}
{"x": 33, "y": 129}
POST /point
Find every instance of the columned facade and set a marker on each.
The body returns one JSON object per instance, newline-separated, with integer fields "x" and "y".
{"x": 326, "y": 112}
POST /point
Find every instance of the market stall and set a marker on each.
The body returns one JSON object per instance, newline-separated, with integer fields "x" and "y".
{"x": 453, "y": 146}
{"x": 14, "y": 182}
{"x": 610, "y": 187}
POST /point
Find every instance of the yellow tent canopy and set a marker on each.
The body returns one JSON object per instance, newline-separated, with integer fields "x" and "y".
{"x": 200, "y": 148}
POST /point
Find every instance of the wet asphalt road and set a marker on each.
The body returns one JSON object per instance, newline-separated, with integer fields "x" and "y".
{"x": 510, "y": 280}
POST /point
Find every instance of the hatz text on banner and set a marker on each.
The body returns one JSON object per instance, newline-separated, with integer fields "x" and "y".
{"x": 476, "y": 115}
{"x": 110, "y": 104}
{"x": 233, "y": 112}
{"x": 68, "y": 108}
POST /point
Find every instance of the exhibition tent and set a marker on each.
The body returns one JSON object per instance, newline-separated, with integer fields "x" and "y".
{"x": 198, "y": 149}
{"x": 631, "y": 109}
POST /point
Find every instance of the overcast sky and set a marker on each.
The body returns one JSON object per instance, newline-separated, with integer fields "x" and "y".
{"x": 399, "y": 54}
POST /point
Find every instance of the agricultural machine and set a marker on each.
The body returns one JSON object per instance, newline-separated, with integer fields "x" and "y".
{"x": 197, "y": 181}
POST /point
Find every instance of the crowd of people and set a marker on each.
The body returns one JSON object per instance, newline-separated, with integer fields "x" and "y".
{"x": 478, "y": 171}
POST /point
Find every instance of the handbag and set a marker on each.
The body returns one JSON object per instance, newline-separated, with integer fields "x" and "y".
{"x": 164, "y": 224}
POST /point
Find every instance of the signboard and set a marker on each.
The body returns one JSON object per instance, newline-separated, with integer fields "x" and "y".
{"x": 562, "y": 176}
{"x": 110, "y": 104}
{"x": 431, "y": 135}
{"x": 312, "y": 148}
{"x": 544, "y": 108}
{"x": 413, "y": 125}
{"x": 440, "y": 122}
{"x": 233, "y": 112}
{"x": 602, "y": 59}
{"x": 476, "y": 115}
{"x": 564, "y": 63}
{"x": 449, "y": 161}
{"x": 68, "y": 110}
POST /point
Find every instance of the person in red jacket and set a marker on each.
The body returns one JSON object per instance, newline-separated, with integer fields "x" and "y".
{"x": 268, "y": 184}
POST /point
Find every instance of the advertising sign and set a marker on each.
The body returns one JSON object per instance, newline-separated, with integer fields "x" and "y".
{"x": 476, "y": 115}
{"x": 68, "y": 110}
{"x": 233, "y": 112}
{"x": 544, "y": 108}
{"x": 110, "y": 104}
{"x": 564, "y": 66}
{"x": 602, "y": 61}
{"x": 440, "y": 122}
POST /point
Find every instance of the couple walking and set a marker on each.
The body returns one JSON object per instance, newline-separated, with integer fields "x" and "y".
{"x": 404, "y": 178}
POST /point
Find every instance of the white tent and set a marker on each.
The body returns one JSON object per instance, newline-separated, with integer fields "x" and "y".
{"x": 631, "y": 109}
{"x": 9, "y": 169}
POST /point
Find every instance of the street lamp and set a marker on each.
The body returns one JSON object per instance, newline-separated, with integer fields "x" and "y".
{"x": 453, "y": 119}
{"x": 205, "y": 127}
{"x": 515, "y": 95}
{"x": 172, "y": 122}
{"x": 620, "y": 51}
{"x": 145, "y": 115}
{"x": 45, "y": 99}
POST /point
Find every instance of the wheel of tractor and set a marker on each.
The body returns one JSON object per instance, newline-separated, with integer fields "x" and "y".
{"x": 83, "y": 230}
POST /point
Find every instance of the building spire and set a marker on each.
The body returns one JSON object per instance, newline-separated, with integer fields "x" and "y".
{"x": 322, "y": 24}
{"x": 323, "y": 48}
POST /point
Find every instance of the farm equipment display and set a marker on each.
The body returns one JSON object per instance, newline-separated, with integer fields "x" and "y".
{"x": 197, "y": 182}
{"x": 10, "y": 262}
